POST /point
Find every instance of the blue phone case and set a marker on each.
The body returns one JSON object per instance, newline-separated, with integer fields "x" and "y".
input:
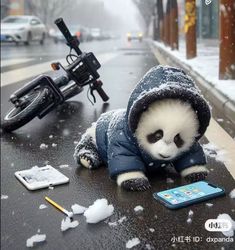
{"x": 188, "y": 194}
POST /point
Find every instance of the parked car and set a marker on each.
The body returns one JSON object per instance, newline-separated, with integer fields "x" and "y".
{"x": 135, "y": 35}
{"x": 80, "y": 32}
{"x": 22, "y": 29}
{"x": 96, "y": 34}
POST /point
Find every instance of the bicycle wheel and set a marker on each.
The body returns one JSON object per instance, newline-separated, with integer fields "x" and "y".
{"x": 18, "y": 117}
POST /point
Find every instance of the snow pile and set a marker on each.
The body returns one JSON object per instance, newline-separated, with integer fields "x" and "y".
{"x": 34, "y": 239}
{"x": 229, "y": 233}
{"x": 100, "y": 210}
{"x": 4, "y": 197}
{"x": 213, "y": 151}
{"x": 77, "y": 209}
{"x": 133, "y": 242}
{"x": 209, "y": 55}
{"x": 67, "y": 223}
{"x": 42, "y": 206}
{"x": 43, "y": 146}
{"x": 232, "y": 194}
{"x": 138, "y": 208}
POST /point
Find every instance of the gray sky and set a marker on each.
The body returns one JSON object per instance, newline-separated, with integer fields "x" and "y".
{"x": 127, "y": 11}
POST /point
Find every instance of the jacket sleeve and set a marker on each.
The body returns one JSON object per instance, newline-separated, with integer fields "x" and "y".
{"x": 123, "y": 157}
{"x": 195, "y": 156}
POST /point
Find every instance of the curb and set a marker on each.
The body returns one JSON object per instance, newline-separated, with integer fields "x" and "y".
{"x": 219, "y": 100}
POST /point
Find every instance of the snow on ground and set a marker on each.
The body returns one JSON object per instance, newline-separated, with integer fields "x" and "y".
{"x": 43, "y": 146}
{"x": 67, "y": 223}
{"x": 138, "y": 208}
{"x": 232, "y": 194}
{"x": 42, "y": 206}
{"x": 205, "y": 64}
{"x": 4, "y": 197}
{"x": 34, "y": 239}
{"x": 77, "y": 209}
{"x": 229, "y": 233}
{"x": 133, "y": 242}
{"x": 213, "y": 151}
{"x": 99, "y": 211}
{"x": 115, "y": 223}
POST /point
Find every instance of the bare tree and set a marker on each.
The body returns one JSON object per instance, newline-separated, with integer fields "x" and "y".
{"x": 146, "y": 8}
{"x": 48, "y": 10}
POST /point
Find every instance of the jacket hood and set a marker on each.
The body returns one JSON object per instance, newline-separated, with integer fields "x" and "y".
{"x": 165, "y": 82}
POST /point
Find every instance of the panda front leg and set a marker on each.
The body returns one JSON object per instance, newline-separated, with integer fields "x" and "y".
{"x": 133, "y": 181}
{"x": 86, "y": 152}
{"x": 195, "y": 173}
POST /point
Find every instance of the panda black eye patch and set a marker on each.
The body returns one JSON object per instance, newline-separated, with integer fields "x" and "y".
{"x": 178, "y": 141}
{"x": 154, "y": 137}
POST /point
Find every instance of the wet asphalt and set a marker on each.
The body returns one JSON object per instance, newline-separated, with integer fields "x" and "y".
{"x": 20, "y": 214}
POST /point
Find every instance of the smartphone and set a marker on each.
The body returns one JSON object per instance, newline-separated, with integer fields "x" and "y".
{"x": 188, "y": 194}
{"x": 41, "y": 177}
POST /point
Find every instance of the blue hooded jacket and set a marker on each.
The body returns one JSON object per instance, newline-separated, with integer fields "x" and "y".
{"x": 116, "y": 142}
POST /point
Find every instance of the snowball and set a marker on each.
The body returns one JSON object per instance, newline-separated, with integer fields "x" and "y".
{"x": 209, "y": 204}
{"x": 35, "y": 238}
{"x": 189, "y": 220}
{"x": 67, "y": 223}
{"x": 4, "y": 197}
{"x": 54, "y": 145}
{"x": 43, "y": 146}
{"x": 190, "y": 213}
{"x": 77, "y": 209}
{"x": 133, "y": 242}
{"x": 229, "y": 233}
{"x": 42, "y": 206}
{"x": 138, "y": 208}
{"x": 169, "y": 180}
{"x": 232, "y": 194}
{"x": 100, "y": 210}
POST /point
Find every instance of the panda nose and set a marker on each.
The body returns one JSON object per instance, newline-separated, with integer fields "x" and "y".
{"x": 164, "y": 156}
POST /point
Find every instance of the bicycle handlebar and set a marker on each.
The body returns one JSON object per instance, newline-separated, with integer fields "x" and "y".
{"x": 72, "y": 41}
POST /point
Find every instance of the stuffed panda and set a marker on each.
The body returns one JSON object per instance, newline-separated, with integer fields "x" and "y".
{"x": 165, "y": 117}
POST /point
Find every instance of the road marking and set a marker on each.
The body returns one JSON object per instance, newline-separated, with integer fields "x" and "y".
{"x": 214, "y": 133}
{"x": 10, "y": 62}
{"x": 218, "y": 136}
{"x": 21, "y": 74}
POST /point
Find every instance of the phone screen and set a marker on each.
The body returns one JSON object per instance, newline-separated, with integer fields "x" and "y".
{"x": 189, "y": 192}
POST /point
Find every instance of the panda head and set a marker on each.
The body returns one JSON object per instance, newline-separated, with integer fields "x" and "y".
{"x": 167, "y": 128}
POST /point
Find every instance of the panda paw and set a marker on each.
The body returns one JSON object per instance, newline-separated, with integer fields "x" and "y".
{"x": 86, "y": 161}
{"x": 140, "y": 184}
{"x": 196, "y": 177}
{"x": 195, "y": 173}
{"x": 134, "y": 181}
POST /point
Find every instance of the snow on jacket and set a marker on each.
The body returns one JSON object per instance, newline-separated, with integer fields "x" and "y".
{"x": 116, "y": 142}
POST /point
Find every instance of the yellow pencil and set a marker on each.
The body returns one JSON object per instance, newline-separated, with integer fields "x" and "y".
{"x": 56, "y": 205}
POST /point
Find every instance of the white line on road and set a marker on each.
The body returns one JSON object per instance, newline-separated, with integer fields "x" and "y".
{"x": 10, "y": 62}
{"x": 21, "y": 74}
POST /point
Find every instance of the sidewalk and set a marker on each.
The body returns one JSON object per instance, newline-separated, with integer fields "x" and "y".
{"x": 204, "y": 69}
